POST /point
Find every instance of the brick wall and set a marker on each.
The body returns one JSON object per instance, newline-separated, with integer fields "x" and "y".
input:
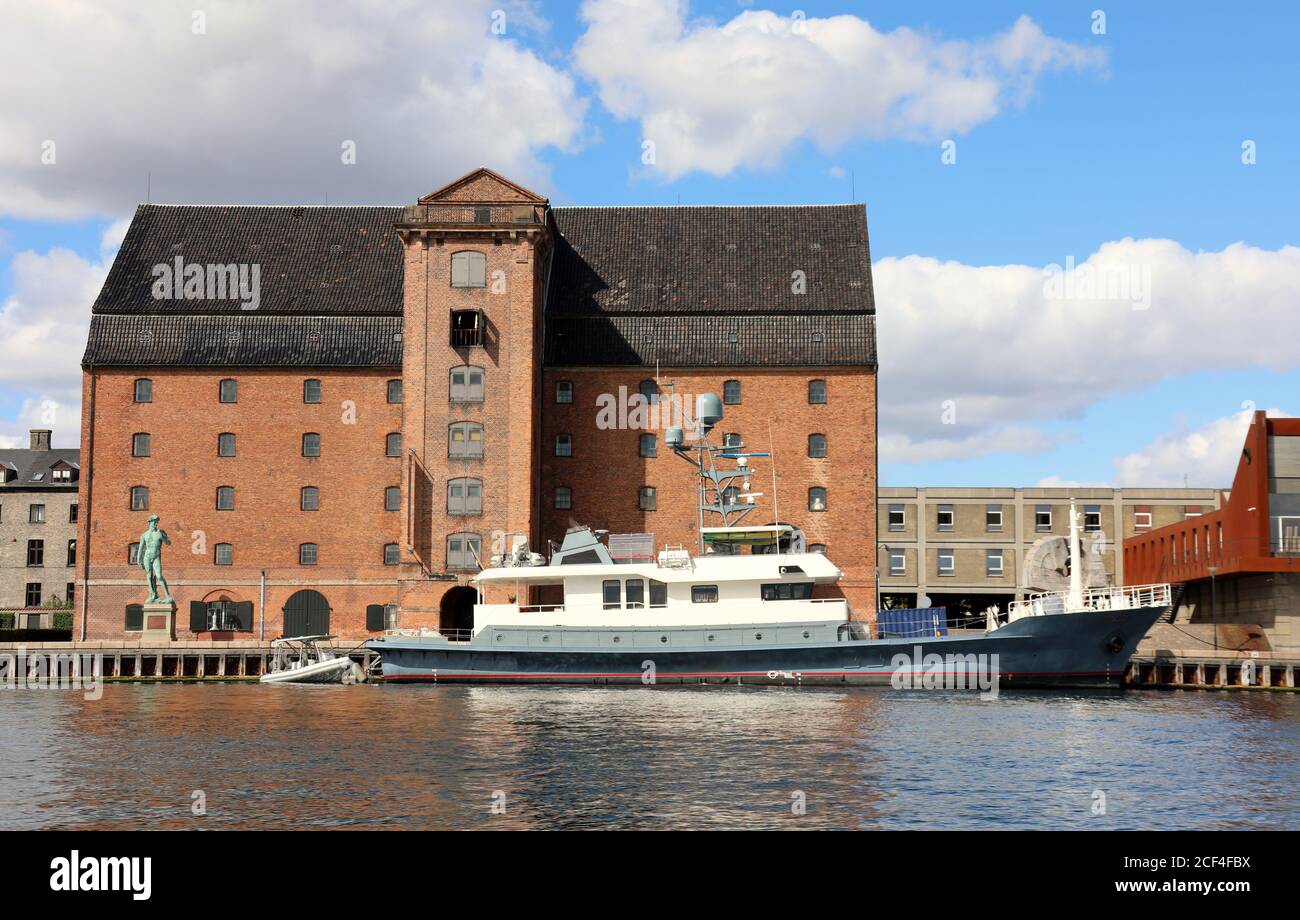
{"x": 266, "y": 526}
{"x": 508, "y": 412}
{"x": 606, "y": 470}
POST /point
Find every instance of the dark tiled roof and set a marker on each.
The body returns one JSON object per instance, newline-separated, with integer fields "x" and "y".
{"x": 694, "y": 341}
{"x": 654, "y": 260}
{"x": 246, "y": 340}
{"x": 29, "y": 462}
{"x": 331, "y": 287}
{"x": 321, "y": 261}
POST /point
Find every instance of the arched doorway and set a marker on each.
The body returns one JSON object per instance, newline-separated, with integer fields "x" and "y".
{"x": 307, "y": 613}
{"x": 457, "y": 608}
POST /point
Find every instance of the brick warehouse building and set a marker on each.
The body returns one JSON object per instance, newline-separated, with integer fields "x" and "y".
{"x": 412, "y": 385}
{"x": 1238, "y": 565}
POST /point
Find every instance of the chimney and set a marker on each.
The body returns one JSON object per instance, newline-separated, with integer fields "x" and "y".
{"x": 40, "y": 438}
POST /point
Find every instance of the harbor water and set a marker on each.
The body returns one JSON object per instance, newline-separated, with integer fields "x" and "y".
{"x": 250, "y": 756}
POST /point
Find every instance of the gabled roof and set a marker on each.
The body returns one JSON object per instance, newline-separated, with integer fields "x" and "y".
{"x": 671, "y": 260}
{"x": 28, "y": 463}
{"x": 627, "y": 285}
{"x": 321, "y": 261}
{"x": 484, "y": 186}
{"x": 731, "y": 286}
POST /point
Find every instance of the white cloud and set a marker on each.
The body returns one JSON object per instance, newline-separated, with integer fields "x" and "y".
{"x": 1202, "y": 457}
{"x": 990, "y": 347}
{"x": 43, "y": 325}
{"x": 258, "y": 108}
{"x": 899, "y": 448}
{"x": 716, "y": 97}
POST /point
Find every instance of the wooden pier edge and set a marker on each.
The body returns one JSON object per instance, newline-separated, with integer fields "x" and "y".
{"x": 175, "y": 662}
{"x": 1179, "y": 672}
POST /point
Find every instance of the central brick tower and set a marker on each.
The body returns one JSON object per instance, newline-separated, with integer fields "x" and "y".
{"x": 475, "y": 257}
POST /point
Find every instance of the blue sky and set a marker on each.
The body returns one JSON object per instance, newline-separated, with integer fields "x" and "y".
{"x": 1145, "y": 144}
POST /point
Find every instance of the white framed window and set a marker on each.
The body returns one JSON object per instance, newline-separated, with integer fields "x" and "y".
{"x": 465, "y": 440}
{"x": 993, "y": 563}
{"x": 945, "y": 517}
{"x": 466, "y": 384}
{"x": 993, "y": 518}
{"x": 1043, "y": 518}
{"x": 897, "y": 517}
{"x": 947, "y": 562}
{"x": 465, "y": 496}
{"x": 468, "y": 269}
{"x": 1142, "y": 520}
{"x": 1092, "y": 518}
{"x": 897, "y": 562}
{"x": 463, "y": 551}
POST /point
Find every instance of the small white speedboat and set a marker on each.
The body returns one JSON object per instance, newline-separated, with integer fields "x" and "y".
{"x": 310, "y": 660}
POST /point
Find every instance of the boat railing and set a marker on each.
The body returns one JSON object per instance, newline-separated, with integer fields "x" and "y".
{"x": 1119, "y": 597}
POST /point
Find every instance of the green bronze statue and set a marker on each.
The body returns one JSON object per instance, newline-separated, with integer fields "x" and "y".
{"x": 150, "y": 558}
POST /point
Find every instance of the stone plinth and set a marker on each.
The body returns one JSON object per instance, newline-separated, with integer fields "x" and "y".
{"x": 159, "y": 622}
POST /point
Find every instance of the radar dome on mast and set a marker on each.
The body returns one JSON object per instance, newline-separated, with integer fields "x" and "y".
{"x": 708, "y": 410}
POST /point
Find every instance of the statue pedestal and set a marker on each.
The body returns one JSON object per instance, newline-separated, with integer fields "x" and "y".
{"x": 159, "y": 622}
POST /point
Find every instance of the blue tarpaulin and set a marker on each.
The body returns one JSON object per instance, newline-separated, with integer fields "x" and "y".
{"x": 912, "y": 622}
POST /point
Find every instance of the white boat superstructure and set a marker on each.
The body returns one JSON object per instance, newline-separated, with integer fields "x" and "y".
{"x": 674, "y": 590}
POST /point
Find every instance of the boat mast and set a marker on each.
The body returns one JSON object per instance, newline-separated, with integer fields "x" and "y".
{"x": 1074, "y": 600}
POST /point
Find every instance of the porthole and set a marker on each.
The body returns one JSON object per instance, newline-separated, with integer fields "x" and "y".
{"x": 710, "y": 637}
{"x": 758, "y": 636}
{"x": 616, "y": 639}
{"x": 663, "y": 638}
{"x": 546, "y": 638}
{"x": 500, "y": 637}
{"x": 805, "y": 634}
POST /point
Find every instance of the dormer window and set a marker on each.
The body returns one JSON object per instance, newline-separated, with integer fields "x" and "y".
{"x": 467, "y": 328}
{"x": 468, "y": 270}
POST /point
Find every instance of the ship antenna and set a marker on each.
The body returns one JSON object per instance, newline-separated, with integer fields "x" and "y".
{"x": 776, "y": 515}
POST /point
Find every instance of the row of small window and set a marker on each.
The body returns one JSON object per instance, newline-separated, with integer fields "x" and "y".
{"x": 309, "y": 498}
{"x": 35, "y": 598}
{"x": 228, "y": 390}
{"x": 142, "y": 444}
{"x": 946, "y": 562}
{"x": 36, "y": 514}
{"x": 647, "y": 498}
{"x": 730, "y": 391}
{"x": 649, "y": 444}
{"x": 36, "y": 553}
{"x": 308, "y": 554}
{"x": 946, "y": 518}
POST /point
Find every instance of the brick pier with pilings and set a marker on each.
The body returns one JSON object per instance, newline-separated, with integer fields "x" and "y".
{"x": 227, "y": 661}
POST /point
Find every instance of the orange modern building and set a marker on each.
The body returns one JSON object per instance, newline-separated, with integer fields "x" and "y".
{"x": 339, "y": 413}
{"x": 1239, "y": 564}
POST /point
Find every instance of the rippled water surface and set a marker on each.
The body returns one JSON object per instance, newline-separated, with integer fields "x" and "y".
{"x": 427, "y": 756}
